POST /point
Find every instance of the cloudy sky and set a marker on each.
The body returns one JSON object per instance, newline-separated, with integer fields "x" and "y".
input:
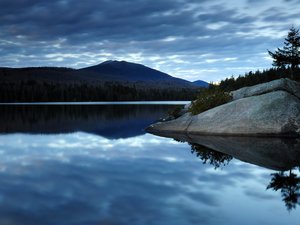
{"x": 190, "y": 39}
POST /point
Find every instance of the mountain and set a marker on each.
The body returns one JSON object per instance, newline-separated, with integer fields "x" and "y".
{"x": 107, "y": 81}
{"x": 131, "y": 72}
{"x": 201, "y": 83}
{"x": 108, "y": 71}
{"x": 122, "y": 70}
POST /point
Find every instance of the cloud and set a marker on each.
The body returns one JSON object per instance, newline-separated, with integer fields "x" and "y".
{"x": 79, "y": 34}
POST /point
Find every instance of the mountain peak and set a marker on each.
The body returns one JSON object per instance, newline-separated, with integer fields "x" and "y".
{"x": 107, "y": 62}
{"x": 117, "y": 62}
{"x": 201, "y": 83}
{"x": 112, "y": 62}
{"x": 132, "y": 72}
{"x": 127, "y": 71}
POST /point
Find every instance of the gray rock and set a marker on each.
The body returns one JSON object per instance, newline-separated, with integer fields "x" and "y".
{"x": 276, "y": 113}
{"x": 283, "y": 84}
{"x": 178, "y": 125}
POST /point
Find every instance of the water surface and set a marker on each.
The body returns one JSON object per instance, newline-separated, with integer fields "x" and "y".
{"x": 94, "y": 164}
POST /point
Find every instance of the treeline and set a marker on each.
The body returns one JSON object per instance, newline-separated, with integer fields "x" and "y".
{"x": 33, "y": 91}
{"x": 253, "y": 78}
{"x": 121, "y": 120}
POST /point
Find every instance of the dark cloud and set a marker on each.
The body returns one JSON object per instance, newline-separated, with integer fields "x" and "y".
{"x": 278, "y": 14}
{"x": 220, "y": 14}
{"x": 259, "y": 196}
{"x": 108, "y": 19}
{"x": 116, "y": 29}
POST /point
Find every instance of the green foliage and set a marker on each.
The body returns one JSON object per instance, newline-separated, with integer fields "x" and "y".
{"x": 209, "y": 98}
{"x": 176, "y": 112}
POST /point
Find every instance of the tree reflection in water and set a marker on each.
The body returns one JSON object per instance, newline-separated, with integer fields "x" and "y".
{"x": 212, "y": 157}
{"x": 287, "y": 182}
{"x": 289, "y": 185}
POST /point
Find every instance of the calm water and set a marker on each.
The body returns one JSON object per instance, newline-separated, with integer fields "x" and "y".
{"x": 94, "y": 164}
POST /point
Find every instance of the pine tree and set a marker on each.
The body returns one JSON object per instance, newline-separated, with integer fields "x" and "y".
{"x": 288, "y": 56}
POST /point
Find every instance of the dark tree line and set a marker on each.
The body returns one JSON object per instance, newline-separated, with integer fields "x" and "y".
{"x": 253, "y": 78}
{"x": 117, "y": 120}
{"x": 32, "y": 91}
{"x": 286, "y": 62}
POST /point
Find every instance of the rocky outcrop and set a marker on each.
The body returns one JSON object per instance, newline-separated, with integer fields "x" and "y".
{"x": 269, "y": 109}
{"x": 283, "y": 84}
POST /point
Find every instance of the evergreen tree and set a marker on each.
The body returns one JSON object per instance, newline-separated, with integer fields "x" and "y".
{"x": 289, "y": 186}
{"x": 289, "y": 55}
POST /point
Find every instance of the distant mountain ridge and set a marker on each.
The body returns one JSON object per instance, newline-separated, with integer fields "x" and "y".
{"x": 130, "y": 71}
{"x": 127, "y": 71}
{"x": 107, "y": 81}
{"x": 108, "y": 71}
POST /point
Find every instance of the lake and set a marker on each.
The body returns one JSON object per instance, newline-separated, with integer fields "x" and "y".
{"x": 94, "y": 164}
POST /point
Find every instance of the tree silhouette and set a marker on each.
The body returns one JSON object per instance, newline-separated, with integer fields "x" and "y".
{"x": 289, "y": 186}
{"x": 289, "y": 55}
{"x": 210, "y": 156}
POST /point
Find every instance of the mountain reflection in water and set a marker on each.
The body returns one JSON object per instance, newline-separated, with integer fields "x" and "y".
{"x": 110, "y": 121}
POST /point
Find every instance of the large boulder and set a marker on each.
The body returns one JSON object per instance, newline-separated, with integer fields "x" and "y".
{"x": 283, "y": 84}
{"x": 274, "y": 112}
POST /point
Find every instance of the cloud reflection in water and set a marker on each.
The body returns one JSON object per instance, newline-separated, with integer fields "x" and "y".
{"x": 82, "y": 178}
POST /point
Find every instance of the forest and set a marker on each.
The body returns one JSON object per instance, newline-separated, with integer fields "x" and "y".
{"x": 253, "y": 78}
{"x": 32, "y": 91}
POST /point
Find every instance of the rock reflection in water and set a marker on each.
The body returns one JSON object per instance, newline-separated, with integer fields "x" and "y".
{"x": 287, "y": 182}
{"x": 279, "y": 154}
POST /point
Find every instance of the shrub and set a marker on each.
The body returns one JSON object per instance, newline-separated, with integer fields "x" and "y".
{"x": 176, "y": 112}
{"x": 208, "y": 99}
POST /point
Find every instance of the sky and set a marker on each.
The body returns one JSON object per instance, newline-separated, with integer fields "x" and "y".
{"x": 190, "y": 39}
